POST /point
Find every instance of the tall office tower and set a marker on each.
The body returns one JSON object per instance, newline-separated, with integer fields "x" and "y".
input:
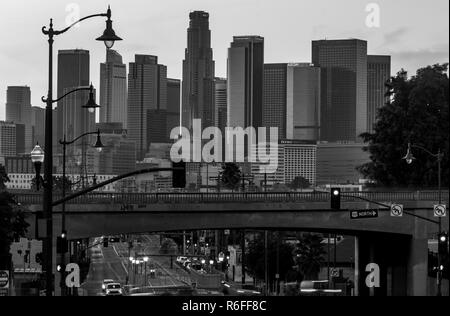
{"x": 119, "y": 154}
{"x": 21, "y": 140}
{"x": 198, "y": 72}
{"x": 113, "y": 89}
{"x": 296, "y": 158}
{"x": 344, "y": 88}
{"x": 220, "y": 102}
{"x": 18, "y": 110}
{"x": 7, "y": 139}
{"x": 303, "y": 102}
{"x": 147, "y": 103}
{"x": 245, "y": 81}
{"x": 378, "y": 74}
{"x": 274, "y": 101}
{"x": 38, "y": 123}
{"x": 173, "y": 104}
{"x": 73, "y": 71}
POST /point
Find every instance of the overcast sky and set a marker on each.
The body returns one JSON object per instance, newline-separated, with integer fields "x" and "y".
{"x": 414, "y": 32}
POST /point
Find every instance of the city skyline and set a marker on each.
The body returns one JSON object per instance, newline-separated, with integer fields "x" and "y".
{"x": 411, "y": 44}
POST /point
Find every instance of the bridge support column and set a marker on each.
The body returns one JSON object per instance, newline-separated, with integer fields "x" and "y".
{"x": 390, "y": 254}
{"x": 417, "y": 268}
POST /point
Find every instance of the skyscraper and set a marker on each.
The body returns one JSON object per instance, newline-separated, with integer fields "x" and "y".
{"x": 303, "y": 102}
{"x": 198, "y": 72}
{"x": 147, "y": 103}
{"x": 38, "y": 123}
{"x": 73, "y": 71}
{"x": 119, "y": 154}
{"x": 173, "y": 104}
{"x": 343, "y": 88}
{"x": 245, "y": 81}
{"x": 378, "y": 74}
{"x": 113, "y": 89}
{"x": 7, "y": 139}
{"x": 274, "y": 101}
{"x": 220, "y": 102}
{"x": 18, "y": 111}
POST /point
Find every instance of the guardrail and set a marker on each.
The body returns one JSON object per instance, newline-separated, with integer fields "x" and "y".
{"x": 250, "y": 197}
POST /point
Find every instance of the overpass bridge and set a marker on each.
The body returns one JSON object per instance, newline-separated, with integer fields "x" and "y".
{"x": 398, "y": 245}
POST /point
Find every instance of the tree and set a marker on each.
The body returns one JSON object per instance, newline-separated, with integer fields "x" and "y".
{"x": 418, "y": 113}
{"x": 168, "y": 247}
{"x": 231, "y": 176}
{"x": 255, "y": 260}
{"x": 310, "y": 255}
{"x": 300, "y": 183}
{"x": 12, "y": 221}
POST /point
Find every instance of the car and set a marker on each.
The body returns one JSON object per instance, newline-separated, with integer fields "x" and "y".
{"x": 114, "y": 289}
{"x": 105, "y": 283}
{"x": 182, "y": 260}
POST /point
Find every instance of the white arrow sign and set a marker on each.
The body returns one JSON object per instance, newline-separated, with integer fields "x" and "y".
{"x": 396, "y": 210}
{"x": 440, "y": 210}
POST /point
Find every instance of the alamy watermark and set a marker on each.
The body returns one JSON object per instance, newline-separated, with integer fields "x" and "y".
{"x": 249, "y": 145}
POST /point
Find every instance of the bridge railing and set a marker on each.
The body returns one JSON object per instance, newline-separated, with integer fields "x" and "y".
{"x": 239, "y": 197}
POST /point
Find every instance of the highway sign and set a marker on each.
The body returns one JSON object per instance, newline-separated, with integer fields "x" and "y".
{"x": 334, "y": 273}
{"x": 4, "y": 279}
{"x": 396, "y": 210}
{"x": 361, "y": 214}
{"x": 440, "y": 210}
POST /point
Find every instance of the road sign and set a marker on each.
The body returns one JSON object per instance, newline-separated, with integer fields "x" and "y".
{"x": 334, "y": 273}
{"x": 440, "y": 210}
{"x": 396, "y": 210}
{"x": 227, "y": 232}
{"x": 4, "y": 279}
{"x": 360, "y": 214}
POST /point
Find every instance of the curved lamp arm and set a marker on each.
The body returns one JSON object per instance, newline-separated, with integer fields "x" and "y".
{"x": 52, "y": 32}
{"x": 90, "y": 88}
{"x": 438, "y": 155}
{"x": 79, "y": 137}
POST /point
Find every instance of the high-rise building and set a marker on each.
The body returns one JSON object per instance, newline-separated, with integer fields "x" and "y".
{"x": 119, "y": 155}
{"x": 113, "y": 89}
{"x": 378, "y": 74}
{"x": 38, "y": 123}
{"x": 147, "y": 103}
{"x": 295, "y": 159}
{"x": 73, "y": 71}
{"x": 220, "y": 102}
{"x": 21, "y": 140}
{"x": 303, "y": 102}
{"x": 337, "y": 163}
{"x": 198, "y": 72}
{"x": 7, "y": 139}
{"x": 173, "y": 104}
{"x": 275, "y": 97}
{"x": 343, "y": 88}
{"x": 245, "y": 81}
{"x": 18, "y": 111}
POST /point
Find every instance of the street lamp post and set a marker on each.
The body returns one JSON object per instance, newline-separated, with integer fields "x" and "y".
{"x": 409, "y": 158}
{"x": 99, "y": 146}
{"x": 108, "y": 37}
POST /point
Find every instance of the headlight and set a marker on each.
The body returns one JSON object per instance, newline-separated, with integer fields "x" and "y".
{"x": 103, "y": 286}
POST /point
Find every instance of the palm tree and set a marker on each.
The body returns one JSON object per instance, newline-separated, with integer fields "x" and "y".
{"x": 310, "y": 255}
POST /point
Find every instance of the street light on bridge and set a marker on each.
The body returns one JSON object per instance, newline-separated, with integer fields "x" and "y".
{"x": 409, "y": 158}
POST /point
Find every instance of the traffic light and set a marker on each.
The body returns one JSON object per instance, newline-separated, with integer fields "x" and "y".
{"x": 105, "y": 242}
{"x": 443, "y": 245}
{"x": 62, "y": 245}
{"x": 179, "y": 175}
{"x": 335, "y": 198}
